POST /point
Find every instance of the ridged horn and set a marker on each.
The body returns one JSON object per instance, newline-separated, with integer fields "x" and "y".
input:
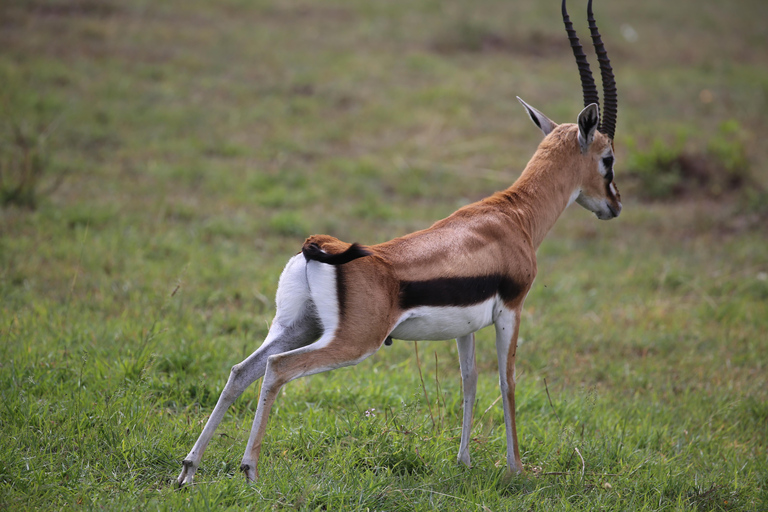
{"x": 610, "y": 95}
{"x": 588, "y": 86}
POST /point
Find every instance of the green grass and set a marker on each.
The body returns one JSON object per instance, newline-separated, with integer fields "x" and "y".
{"x": 191, "y": 146}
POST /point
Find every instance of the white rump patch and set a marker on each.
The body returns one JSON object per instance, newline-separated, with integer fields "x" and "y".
{"x": 292, "y": 291}
{"x": 322, "y": 288}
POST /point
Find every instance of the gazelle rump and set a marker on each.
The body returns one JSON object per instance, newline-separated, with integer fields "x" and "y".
{"x": 338, "y": 303}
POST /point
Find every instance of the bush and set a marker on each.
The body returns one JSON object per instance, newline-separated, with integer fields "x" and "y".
{"x": 24, "y": 160}
{"x": 667, "y": 171}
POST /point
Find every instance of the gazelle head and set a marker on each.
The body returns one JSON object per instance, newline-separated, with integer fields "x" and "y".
{"x": 590, "y": 139}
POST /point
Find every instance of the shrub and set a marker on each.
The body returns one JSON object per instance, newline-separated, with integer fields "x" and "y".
{"x": 24, "y": 160}
{"x": 667, "y": 171}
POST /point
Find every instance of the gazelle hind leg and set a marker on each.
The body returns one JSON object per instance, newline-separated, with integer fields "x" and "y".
{"x": 295, "y": 325}
{"x": 507, "y": 325}
{"x": 242, "y": 376}
{"x": 328, "y": 353}
{"x": 466, "y": 346}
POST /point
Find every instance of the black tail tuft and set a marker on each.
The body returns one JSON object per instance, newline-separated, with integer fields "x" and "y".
{"x": 312, "y": 251}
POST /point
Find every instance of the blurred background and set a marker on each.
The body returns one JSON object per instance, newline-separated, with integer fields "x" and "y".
{"x": 240, "y": 117}
{"x": 160, "y": 161}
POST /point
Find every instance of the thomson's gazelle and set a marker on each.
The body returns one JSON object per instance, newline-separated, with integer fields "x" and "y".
{"x": 338, "y": 303}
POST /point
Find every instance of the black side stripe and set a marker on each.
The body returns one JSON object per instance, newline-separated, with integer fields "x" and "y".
{"x": 457, "y": 291}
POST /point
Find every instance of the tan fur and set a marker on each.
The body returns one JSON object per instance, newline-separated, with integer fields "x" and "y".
{"x": 497, "y": 235}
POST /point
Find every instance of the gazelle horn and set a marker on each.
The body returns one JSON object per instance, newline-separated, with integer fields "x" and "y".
{"x": 610, "y": 96}
{"x": 587, "y": 81}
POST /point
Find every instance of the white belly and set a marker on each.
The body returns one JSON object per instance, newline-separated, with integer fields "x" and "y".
{"x": 443, "y": 323}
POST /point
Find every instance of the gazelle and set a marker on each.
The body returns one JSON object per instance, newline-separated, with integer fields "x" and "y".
{"x": 338, "y": 303}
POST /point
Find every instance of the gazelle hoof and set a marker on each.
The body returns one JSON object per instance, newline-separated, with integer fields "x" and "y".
{"x": 187, "y": 473}
{"x": 249, "y": 471}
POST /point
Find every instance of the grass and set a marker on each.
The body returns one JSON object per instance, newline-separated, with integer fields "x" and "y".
{"x": 196, "y": 144}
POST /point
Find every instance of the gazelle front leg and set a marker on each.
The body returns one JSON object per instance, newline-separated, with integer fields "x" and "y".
{"x": 466, "y": 346}
{"x": 507, "y": 325}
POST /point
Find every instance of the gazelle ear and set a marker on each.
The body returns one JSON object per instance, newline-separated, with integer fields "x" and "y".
{"x": 544, "y": 123}
{"x": 588, "y": 120}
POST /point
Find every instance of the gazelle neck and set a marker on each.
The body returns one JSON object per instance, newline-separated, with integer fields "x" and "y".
{"x": 542, "y": 192}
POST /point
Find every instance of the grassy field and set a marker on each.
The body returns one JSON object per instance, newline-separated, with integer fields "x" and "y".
{"x": 176, "y": 154}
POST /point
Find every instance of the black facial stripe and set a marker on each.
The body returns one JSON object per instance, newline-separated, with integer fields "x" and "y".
{"x": 457, "y": 291}
{"x": 608, "y": 166}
